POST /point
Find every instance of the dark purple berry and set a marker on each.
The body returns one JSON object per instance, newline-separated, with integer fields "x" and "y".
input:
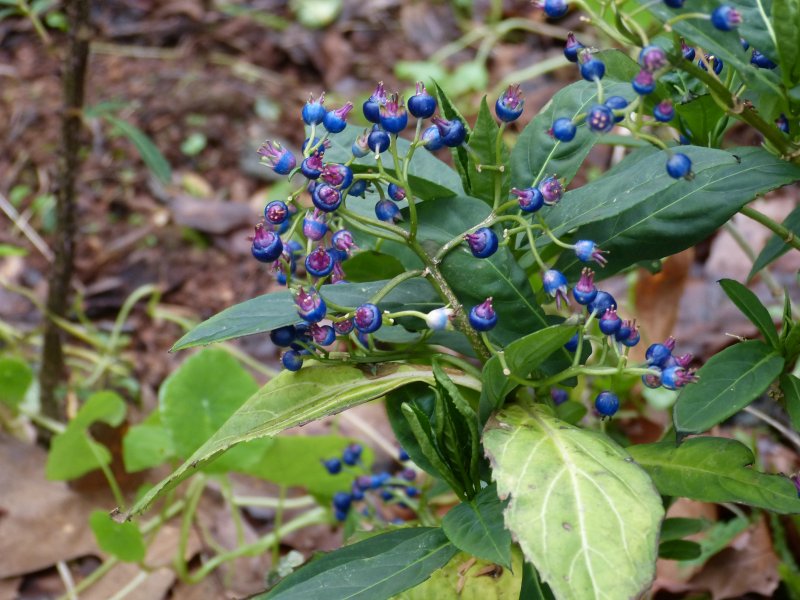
{"x": 326, "y": 197}
{"x": 276, "y": 212}
{"x": 341, "y": 501}
{"x": 558, "y": 396}
{"x": 482, "y": 243}
{"x": 452, "y": 133}
{"x": 551, "y": 189}
{"x": 687, "y": 51}
{"x": 601, "y": 303}
{"x": 280, "y": 159}
{"x": 555, "y": 285}
{"x": 344, "y": 327}
{"x": 319, "y": 263}
{"x": 311, "y": 307}
{"x": 352, "y": 454}
{"x": 332, "y": 465}
{"x": 679, "y": 165}
{"x": 343, "y": 240}
{"x": 396, "y": 193}
{"x": 600, "y": 118}
{"x": 372, "y": 106}
{"x": 606, "y": 403}
{"x": 563, "y": 129}
{"x": 587, "y": 250}
{"x": 393, "y": 115}
{"x": 358, "y": 188}
{"x": 530, "y": 199}
{"x": 368, "y": 318}
{"x": 572, "y": 48}
{"x": 292, "y": 360}
{"x": 482, "y": 317}
{"x": 585, "y": 291}
{"x": 652, "y": 380}
{"x": 761, "y": 61}
{"x": 644, "y": 83}
{"x": 726, "y": 18}
{"x": 311, "y": 167}
{"x": 387, "y": 211}
{"x": 422, "y": 105}
{"x": 664, "y": 111}
{"x": 652, "y": 58}
{"x": 617, "y": 103}
{"x": 335, "y": 120}
{"x": 510, "y": 104}
{"x": 592, "y": 68}
{"x": 339, "y": 176}
{"x": 323, "y": 335}
{"x": 716, "y": 63}
{"x": 378, "y": 140}
{"x": 408, "y": 474}
{"x": 313, "y": 112}
{"x": 266, "y": 246}
{"x": 282, "y": 336}
{"x": 610, "y": 322}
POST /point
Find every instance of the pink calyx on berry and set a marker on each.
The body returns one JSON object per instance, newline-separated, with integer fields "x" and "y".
{"x": 276, "y": 156}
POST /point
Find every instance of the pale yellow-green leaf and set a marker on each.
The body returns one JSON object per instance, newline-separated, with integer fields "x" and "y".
{"x": 586, "y": 516}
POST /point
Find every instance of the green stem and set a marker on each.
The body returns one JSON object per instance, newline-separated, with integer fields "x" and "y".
{"x": 782, "y": 232}
{"x": 412, "y": 205}
{"x": 393, "y": 283}
{"x": 686, "y": 17}
{"x": 583, "y": 370}
{"x": 267, "y": 502}
{"x": 276, "y": 530}
{"x": 193, "y": 496}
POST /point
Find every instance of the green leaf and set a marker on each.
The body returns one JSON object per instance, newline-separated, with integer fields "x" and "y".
{"x": 750, "y": 306}
{"x": 638, "y": 212}
{"x": 790, "y": 386}
{"x": 718, "y": 537}
{"x": 537, "y": 154}
{"x": 714, "y": 470}
{"x": 149, "y": 152}
{"x": 676, "y": 528}
{"x": 297, "y": 461}
{"x": 9, "y": 250}
{"x": 729, "y": 381}
{"x": 522, "y": 357}
{"x": 679, "y": 550}
{"x": 775, "y": 246}
{"x": 292, "y": 399}
{"x": 122, "y": 540}
{"x": 460, "y": 156}
{"x": 198, "y": 398}
{"x": 270, "y": 311}
{"x": 532, "y": 587}
{"x": 484, "y": 146}
{"x": 106, "y": 407}
{"x": 700, "y": 119}
{"x": 571, "y": 412}
{"x": 430, "y": 178}
{"x": 146, "y": 446}
{"x": 15, "y": 379}
{"x": 786, "y": 24}
{"x": 375, "y": 569}
{"x": 364, "y": 265}
{"x": 582, "y": 511}
{"x": 422, "y": 397}
{"x": 477, "y": 527}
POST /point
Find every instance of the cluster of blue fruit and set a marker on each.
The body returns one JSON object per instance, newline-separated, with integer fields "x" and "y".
{"x": 367, "y": 489}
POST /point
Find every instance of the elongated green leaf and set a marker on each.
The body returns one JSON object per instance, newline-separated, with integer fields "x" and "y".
{"x": 714, "y": 470}
{"x": 638, "y": 212}
{"x": 532, "y": 587}
{"x": 430, "y": 178}
{"x": 270, "y": 311}
{"x": 477, "y": 527}
{"x": 15, "y": 379}
{"x": 790, "y": 386}
{"x": 483, "y": 144}
{"x": 149, "y": 152}
{"x": 700, "y": 119}
{"x": 294, "y": 399}
{"x": 537, "y": 154}
{"x": 420, "y": 426}
{"x": 676, "y": 528}
{"x": 582, "y": 511}
{"x": 465, "y": 420}
{"x": 729, "y": 381}
{"x": 460, "y": 156}
{"x": 786, "y": 24}
{"x": 522, "y": 356}
{"x": 123, "y": 540}
{"x": 422, "y": 396}
{"x": 679, "y": 550}
{"x": 751, "y": 307}
{"x": 375, "y": 569}
{"x": 775, "y": 246}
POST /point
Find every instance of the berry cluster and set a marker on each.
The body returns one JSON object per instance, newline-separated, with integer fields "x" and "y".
{"x": 367, "y": 490}
{"x": 671, "y": 372}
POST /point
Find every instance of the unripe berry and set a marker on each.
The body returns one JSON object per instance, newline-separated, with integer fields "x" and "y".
{"x": 360, "y": 148}
{"x": 422, "y": 105}
{"x": 606, "y": 403}
{"x": 482, "y": 243}
{"x": 438, "y": 318}
{"x": 483, "y": 317}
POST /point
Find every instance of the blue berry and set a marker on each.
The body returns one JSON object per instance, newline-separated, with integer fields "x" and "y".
{"x": 530, "y": 199}
{"x": 652, "y": 380}
{"x": 396, "y": 193}
{"x": 572, "y": 343}
{"x": 664, "y": 111}
{"x": 378, "y": 480}
{"x": 674, "y": 3}
{"x": 292, "y": 360}
{"x": 587, "y": 250}
{"x": 616, "y": 103}
{"x": 600, "y": 118}
{"x": 432, "y": 139}
{"x": 716, "y": 63}
{"x": 339, "y": 176}
{"x": 402, "y": 455}
{"x": 356, "y": 492}
{"x": 644, "y": 83}
{"x": 335, "y": 120}
{"x": 673, "y": 378}
{"x": 276, "y": 212}
{"x": 482, "y": 243}
{"x": 372, "y": 106}
{"x": 352, "y": 454}
{"x": 368, "y": 318}
{"x": 606, "y": 403}
{"x": 558, "y": 396}
{"x": 572, "y": 48}
{"x": 563, "y": 129}
{"x": 360, "y": 148}
{"x": 340, "y": 515}
{"x": 344, "y": 327}
{"x": 326, "y": 197}
{"x": 313, "y": 112}
{"x": 283, "y": 336}
{"x": 314, "y": 226}
{"x": 319, "y": 263}
{"x": 422, "y": 105}
{"x": 310, "y": 306}
{"x": 555, "y": 285}
{"x": 555, "y": 9}
{"x": 387, "y": 211}
{"x": 592, "y": 68}
{"x": 585, "y": 291}
{"x": 687, "y": 51}
{"x": 378, "y": 140}
{"x": 652, "y": 58}
{"x": 510, "y": 104}
{"x": 679, "y": 165}
{"x": 551, "y": 189}
{"x": 341, "y": 501}
{"x": 412, "y": 492}
{"x": 311, "y": 167}
{"x": 452, "y": 133}
{"x": 280, "y": 159}
{"x": 761, "y": 61}
{"x": 483, "y": 317}
{"x": 782, "y": 123}
{"x": 726, "y": 18}
{"x": 358, "y": 188}
{"x": 633, "y": 339}
{"x": 610, "y": 323}
{"x": 267, "y": 245}
{"x": 333, "y": 465}
{"x": 387, "y": 495}
{"x": 323, "y": 335}
{"x": 601, "y": 303}
{"x": 393, "y": 115}
{"x": 657, "y": 355}
{"x": 343, "y": 240}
